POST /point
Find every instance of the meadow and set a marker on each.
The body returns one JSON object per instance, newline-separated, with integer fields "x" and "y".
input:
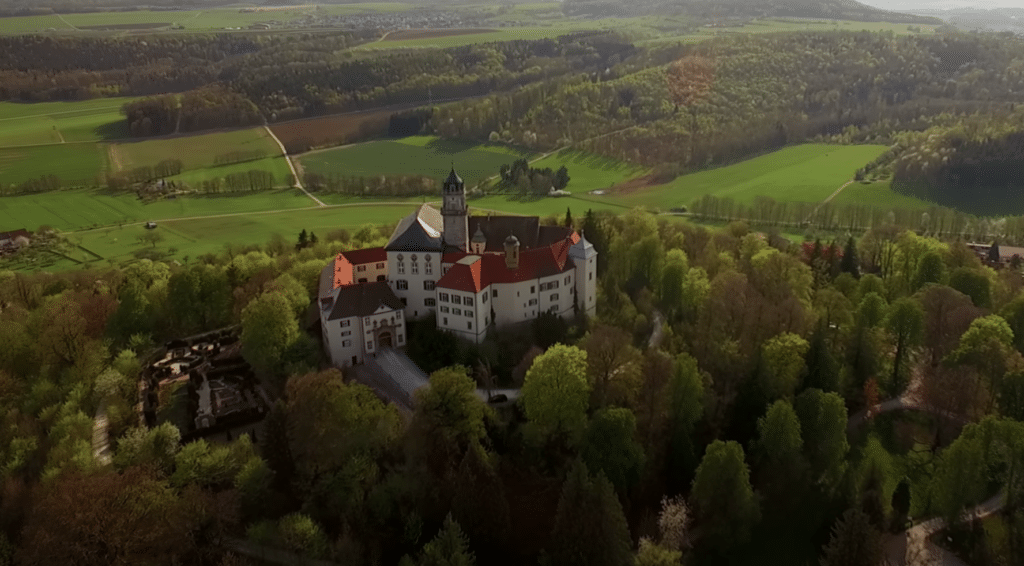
{"x": 803, "y": 173}
{"x": 81, "y": 209}
{"x": 878, "y": 194}
{"x": 587, "y": 171}
{"x": 56, "y": 122}
{"x": 72, "y": 162}
{"x": 416, "y": 155}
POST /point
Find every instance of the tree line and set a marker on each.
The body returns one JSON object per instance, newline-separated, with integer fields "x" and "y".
{"x": 389, "y": 185}
{"x": 525, "y": 179}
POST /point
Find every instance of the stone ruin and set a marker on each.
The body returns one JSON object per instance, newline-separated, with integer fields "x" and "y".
{"x": 203, "y": 386}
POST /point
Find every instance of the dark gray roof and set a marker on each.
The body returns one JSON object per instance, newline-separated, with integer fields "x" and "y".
{"x": 526, "y": 229}
{"x": 420, "y": 231}
{"x": 363, "y": 299}
{"x": 453, "y": 179}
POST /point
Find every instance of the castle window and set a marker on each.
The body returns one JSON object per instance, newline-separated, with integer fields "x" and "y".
{"x": 360, "y": 268}
{"x": 457, "y": 312}
{"x": 428, "y": 285}
{"x": 533, "y": 289}
{"x": 380, "y": 266}
{"x": 469, "y": 325}
{"x": 494, "y": 293}
{"x": 533, "y": 302}
{"x": 347, "y": 333}
{"x": 469, "y": 314}
{"x": 345, "y": 323}
{"x": 456, "y": 299}
{"x": 414, "y": 257}
{"x": 429, "y": 302}
{"x": 427, "y": 257}
{"x": 401, "y": 257}
{"x": 428, "y": 268}
{"x": 444, "y": 297}
{"x": 591, "y": 276}
{"x": 554, "y": 296}
{"x": 445, "y": 321}
{"x": 362, "y": 280}
{"x": 415, "y": 268}
{"x": 445, "y": 309}
{"x": 567, "y": 279}
{"x": 469, "y": 301}
{"x": 402, "y": 285}
{"x": 484, "y": 297}
{"x": 346, "y": 343}
{"x": 401, "y": 338}
{"x": 401, "y": 268}
{"x": 369, "y": 345}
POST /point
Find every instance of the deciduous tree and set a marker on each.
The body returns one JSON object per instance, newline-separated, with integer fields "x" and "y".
{"x": 268, "y": 328}
{"x": 823, "y": 419}
{"x": 555, "y": 393}
{"x": 610, "y": 447}
{"x": 905, "y": 322}
{"x": 590, "y": 527}
{"x": 854, "y": 542}
{"x": 722, "y": 495}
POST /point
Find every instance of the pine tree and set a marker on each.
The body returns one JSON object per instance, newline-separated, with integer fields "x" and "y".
{"x": 303, "y": 239}
{"x": 275, "y": 446}
{"x": 993, "y": 253}
{"x": 313, "y": 239}
{"x": 568, "y": 218}
{"x": 595, "y": 234}
{"x": 479, "y": 502}
{"x": 822, "y": 367}
{"x": 590, "y": 527}
{"x": 449, "y": 548}
{"x": 854, "y": 542}
{"x": 849, "y": 263}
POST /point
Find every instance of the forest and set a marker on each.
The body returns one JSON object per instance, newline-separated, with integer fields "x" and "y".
{"x": 759, "y": 388}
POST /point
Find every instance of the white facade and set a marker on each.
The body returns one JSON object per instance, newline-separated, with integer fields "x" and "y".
{"x": 350, "y": 339}
{"x": 584, "y": 256}
{"x": 465, "y": 314}
{"x": 413, "y": 276}
{"x": 367, "y": 272}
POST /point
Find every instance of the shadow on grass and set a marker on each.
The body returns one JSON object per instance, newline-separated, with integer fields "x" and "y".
{"x": 112, "y": 131}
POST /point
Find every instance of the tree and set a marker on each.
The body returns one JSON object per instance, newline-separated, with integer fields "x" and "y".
{"x": 987, "y": 346}
{"x": 303, "y": 239}
{"x": 302, "y": 535}
{"x": 723, "y": 497}
{"x": 590, "y": 527}
{"x": 686, "y": 407}
{"x": 449, "y": 548}
{"x": 613, "y": 364}
{"x": 568, "y": 213}
{"x": 930, "y": 269}
{"x": 973, "y": 283}
{"x": 822, "y": 366}
{"x": 673, "y": 277}
{"x": 555, "y": 393}
{"x": 108, "y": 518}
{"x": 1013, "y": 313}
{"x": 610, "y": 447}
{"x": 330, "y": 422}
{"x": 823, "y": 419}
{"x": 779, "y": 440}
{"x": 849, "y": 263}
{"x": 905, "y": 322}
{"x": 650, "y": 554}
{"x": 151, "y": 237}
{"x": 782, "y": 359}
{"x": 479, "y": 502}
{"x": 561, "y": 181}
{"x": 854, "y": 542}
{"x": 268, "y": 328}
{"x": 275, "y": 445}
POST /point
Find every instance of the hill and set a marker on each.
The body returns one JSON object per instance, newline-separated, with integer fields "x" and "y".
{"x": 717, "y": 10}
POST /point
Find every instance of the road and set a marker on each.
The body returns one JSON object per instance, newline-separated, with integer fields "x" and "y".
{"x": 291, "y": 166}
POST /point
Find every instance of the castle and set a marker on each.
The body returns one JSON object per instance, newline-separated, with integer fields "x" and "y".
{"x": 474, "y": 273}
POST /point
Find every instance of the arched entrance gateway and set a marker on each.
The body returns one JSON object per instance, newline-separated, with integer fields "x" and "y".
{"x": 385, "y": 339}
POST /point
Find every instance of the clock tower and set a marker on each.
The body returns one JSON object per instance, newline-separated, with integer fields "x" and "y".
{"x": 455, "y": 212}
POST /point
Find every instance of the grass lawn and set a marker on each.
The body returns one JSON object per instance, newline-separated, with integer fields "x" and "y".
{"x": 195, "y": 237}
{"x": 195, "y": 151}
{"x": 504, "y": 34}
{"x": 31, "y": 24}
{"x": 71, "y": 162}
{"x": 417, "y": 155}
{"x": 804, "y": 173}
{"x": 878, "y": 194}
{"x": 276, "y": 165}
{"x": 76, "y": 210}
{"x": 53, "y": 122}
{"x": 588, "y": 171}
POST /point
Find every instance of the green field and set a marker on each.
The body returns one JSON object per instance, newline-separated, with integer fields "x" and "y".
{"x": 587, "y": 171}
{"x": 71, "y": 162}
{"x": 198, "y": 154}
{"x": 75, "y": 210}
{"x": 804, "y": 173}
{"x": 879, "y": 195}
{"x": 417, "y": 155}
{"x": 55, "y": 122}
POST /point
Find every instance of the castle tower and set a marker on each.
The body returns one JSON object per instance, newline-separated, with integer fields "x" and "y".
{"x": 455, "y": 212}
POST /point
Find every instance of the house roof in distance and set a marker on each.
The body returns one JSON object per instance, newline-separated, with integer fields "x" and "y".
{"x": 526, "y": 229}
{"x": 420, "y": 231}
{"x": 14, "y": 234}
{"x": 363, "y": 299}
{"x": 473, "y": 273}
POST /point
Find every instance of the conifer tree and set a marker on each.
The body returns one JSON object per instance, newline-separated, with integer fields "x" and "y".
{"x": 479, "y": 501}
{"x": 849, "y": 263}
{"x": 590, "y": 527}
{"x": 854, "y": 542}
{"x": 449, "y": 548}
{"x": 275, "y": 446}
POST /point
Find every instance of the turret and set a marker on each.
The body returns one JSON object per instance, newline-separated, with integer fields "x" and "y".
{"x": 512, "y": 252}
{"x": 479, "y": 241}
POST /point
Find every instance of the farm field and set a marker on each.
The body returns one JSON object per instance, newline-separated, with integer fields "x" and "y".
{"x": 76, "y": 210}
{"x": 804, "y": 173}
{"x": 416, "y": 155}
{"x": 587, "y": 171}
{"x": 71, "y": 162}
{"x": 300, "y": 135}
{"x": 195, "y": 151}
{"x": 879, "y": 195}
{"x": 56, "y": 122}
{"x": 455, "y": 38}
{"x": 209, "y": 235}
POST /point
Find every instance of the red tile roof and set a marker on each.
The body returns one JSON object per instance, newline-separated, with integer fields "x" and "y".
{"x": 533, "y": 264}
{"x": 342, "y": 271}
{"x": 360, "y": 257}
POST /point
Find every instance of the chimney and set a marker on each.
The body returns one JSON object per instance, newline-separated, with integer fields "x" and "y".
{"x": 512, "y": 252}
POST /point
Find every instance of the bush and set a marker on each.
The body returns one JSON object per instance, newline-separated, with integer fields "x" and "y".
{"x": 302, "y": 535}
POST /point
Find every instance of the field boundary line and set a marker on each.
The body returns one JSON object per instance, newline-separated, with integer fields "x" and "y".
{"x": 828, "y": 200}
{"x": 291, "y": 166}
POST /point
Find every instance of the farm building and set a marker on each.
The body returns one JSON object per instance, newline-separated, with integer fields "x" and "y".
{"x": 12, "y": 241}
{"x": 473, "y": 273}
{"x": 998, "y": 256}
